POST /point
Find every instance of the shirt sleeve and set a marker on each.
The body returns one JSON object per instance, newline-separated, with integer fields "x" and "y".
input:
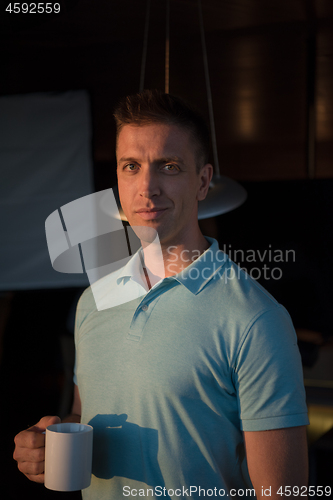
{"x": 268, "y": 374}
{"x": 79, "y": 317}
{"x": 76, "y": 334}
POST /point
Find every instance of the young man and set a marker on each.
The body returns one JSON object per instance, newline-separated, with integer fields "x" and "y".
{"x": 195, "y": 387}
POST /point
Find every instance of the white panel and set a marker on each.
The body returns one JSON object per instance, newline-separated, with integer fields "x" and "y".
{"x": 45, "y": 161}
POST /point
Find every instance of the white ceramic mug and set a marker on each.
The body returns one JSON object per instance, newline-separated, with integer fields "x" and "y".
{"x": 68, "y": 456}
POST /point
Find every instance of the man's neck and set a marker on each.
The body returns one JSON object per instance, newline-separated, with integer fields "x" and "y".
{"x": 177, "y": 257}
{"x": 162, "y": 261}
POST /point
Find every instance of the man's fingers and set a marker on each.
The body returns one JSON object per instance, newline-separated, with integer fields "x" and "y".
{"x": 29, "y": 454}
{"x": 37, "y": 479}
{"x": 31, "y": 468}
{"x": 30, "y": 438}
{"x": 34, "y": 437}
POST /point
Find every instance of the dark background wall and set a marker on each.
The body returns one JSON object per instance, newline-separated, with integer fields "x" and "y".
{"x": 271, "y": 66}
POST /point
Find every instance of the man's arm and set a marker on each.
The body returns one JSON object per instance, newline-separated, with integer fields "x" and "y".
{"x": 277, "y": 458}
{"x": 30, "y": 444}
{"x": 75, "y": 415}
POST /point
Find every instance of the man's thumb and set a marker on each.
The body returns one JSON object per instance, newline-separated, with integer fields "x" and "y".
{"x": 46, "y": 421}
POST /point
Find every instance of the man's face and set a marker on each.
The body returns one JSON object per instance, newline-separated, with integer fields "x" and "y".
{"x": 158, "y": 183}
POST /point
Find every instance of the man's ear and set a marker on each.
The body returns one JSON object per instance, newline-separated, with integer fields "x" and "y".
{"x": 205, "y": 174}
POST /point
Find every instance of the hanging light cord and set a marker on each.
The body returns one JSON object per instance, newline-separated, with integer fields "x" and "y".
{"x": 167, "y": 47}
{"x": 144, "y": 50}
{"x": 209, "y": 93}
{"x": 167, "y": 69}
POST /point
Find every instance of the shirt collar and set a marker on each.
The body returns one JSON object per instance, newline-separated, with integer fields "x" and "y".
{"x": 194, "y": 277}
{"x": 132, "y": 270}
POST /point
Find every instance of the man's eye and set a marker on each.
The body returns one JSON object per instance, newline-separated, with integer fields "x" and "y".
{"x": 130, "y": 167}
{"x": 171, "y": 168}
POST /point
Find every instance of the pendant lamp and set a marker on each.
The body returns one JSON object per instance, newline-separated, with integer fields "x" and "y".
{"x": 224, "y": 194}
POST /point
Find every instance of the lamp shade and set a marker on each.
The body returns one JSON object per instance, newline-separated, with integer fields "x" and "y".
{"x": 223, "y": 196}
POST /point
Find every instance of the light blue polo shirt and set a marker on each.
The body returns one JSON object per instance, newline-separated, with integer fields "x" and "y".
{"x": 171, "y": 377}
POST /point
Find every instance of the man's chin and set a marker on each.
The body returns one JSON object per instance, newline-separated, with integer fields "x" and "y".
{"x": 145, "y": 233}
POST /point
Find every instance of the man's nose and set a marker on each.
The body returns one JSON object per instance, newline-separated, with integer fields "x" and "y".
{"x": 149, "y": 184}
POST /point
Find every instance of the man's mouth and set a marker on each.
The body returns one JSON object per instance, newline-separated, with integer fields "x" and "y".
{"x": 150, "y": 213}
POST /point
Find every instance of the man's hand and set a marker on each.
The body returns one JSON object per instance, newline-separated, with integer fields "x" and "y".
{"x": 277, "y": 458}
{"x": 30, "y": 449}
